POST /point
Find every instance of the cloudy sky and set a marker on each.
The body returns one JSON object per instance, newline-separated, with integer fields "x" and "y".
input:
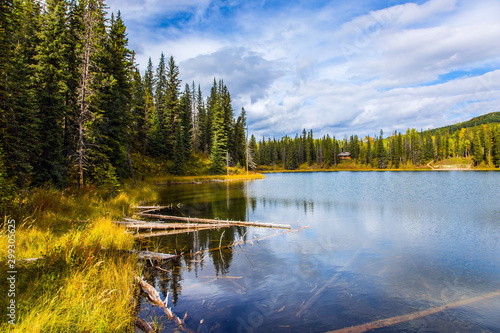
{"x": 340, "y": 67}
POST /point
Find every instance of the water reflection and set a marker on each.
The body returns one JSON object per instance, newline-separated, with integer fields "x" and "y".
{"x": 380, "y": 245}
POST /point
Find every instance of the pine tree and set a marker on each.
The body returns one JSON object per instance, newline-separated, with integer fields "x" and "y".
{"x": 171, "y": 105}
{"x": 202, "y": 128}
{"x": 250, "y": 150}
{"x": 6, "y": 45}
{"x": 429, "y": 150}
{"x": 381, "y": 152}
{"x": 217, "y": 157}
{"x": 496, "y": 147}
{"x": 149, "y": 78}
{"x": 7, "y": 189}
{"x": 138, "y": 111}
{"x": 368, "y": 151}
{"x": 219, "y": 138}
{"x": 239, "y": 138}
{"x": 477, "y": 150}
{"x": 51, "y": 78}
{"x": 309, "y": 148}
{"x": 399, "y": 149}
{"x": 160, "y": 85}
{"x": 440, "y": 148}
{"x": 182, "y": 143}
{"x": 92, "y": 37}
{"x": 18, "y": 119}
{"x": 111, "y": 107}
{"x": 73, "y": 55}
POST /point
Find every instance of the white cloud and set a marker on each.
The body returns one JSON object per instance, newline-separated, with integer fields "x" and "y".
{"x": 334, "y": 67}
{"x": 246, "y": 73}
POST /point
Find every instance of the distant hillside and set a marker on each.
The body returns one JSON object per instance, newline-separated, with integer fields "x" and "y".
{"x": 493, "y": 117}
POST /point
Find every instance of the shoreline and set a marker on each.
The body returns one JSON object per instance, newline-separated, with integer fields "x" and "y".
{"x": 179, "y": 180}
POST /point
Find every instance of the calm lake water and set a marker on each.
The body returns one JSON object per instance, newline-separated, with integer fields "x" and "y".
{"x": 380, "y": 245}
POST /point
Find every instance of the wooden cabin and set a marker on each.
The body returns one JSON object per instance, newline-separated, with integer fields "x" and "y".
{"x": 344, "y": 156}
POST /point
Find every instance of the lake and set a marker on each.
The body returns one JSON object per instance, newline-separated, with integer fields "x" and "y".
{"x": 380, "y": 245}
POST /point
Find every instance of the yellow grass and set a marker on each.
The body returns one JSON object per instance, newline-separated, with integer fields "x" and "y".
{"x": 82, "y": 283}
{"x": 193, "y": 179}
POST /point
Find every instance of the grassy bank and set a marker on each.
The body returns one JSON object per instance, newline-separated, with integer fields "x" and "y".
{"x": 203, "y": 179}
{"x": 81, "y": 283}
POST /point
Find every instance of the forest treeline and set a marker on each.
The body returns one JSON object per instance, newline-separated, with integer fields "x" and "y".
{"x": 75, "y": 108}
{"x": 414, "y": 148}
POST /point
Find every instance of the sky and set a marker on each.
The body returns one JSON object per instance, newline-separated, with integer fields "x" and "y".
{"x": 340, "y": 67}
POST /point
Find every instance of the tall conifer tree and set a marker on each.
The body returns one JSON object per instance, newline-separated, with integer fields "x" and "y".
{"x": 51, "y": 82}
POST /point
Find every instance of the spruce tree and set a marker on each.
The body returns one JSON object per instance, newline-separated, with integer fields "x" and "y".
{"x": 18, "y": 118}
{"x": 160, "y": 84}
{"x": 74, "y": 57}
{"x": 51, "y": 82}
{"x": 149, "y": 78}
{"x": 217, "y": 156}
{"x": 496, "y": 146}
{"x": 239, "y": 138}
{"x": 477, "y": 150}
{"x": 219, "y": 139}
{"x": 368, "y": 151}
{"x": 111, "y": 108}
{"x": 138, "y": 111}
{"x": 250, "y": 150}
{"x": 171, "y": 104}
{"x": 202, "y": 128}
{"x": 381, "y": 152}
{"x": 92, "y": 34}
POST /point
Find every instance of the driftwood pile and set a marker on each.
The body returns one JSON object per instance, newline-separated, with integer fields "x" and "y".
{"x": 184, "y": 224}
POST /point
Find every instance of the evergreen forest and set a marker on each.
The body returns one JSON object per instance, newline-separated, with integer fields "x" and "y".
{"x": 75, "y": 109}
{"x": 477, "y": 142}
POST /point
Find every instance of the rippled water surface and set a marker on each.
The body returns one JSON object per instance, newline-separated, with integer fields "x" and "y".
{"x": 380, "y": 245}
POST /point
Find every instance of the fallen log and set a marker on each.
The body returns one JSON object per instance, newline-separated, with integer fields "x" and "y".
{"x": 153, "y": 207}
{"x": 151, "y": 255}
{"x": 412, "y": 316}
{"x": 143, "y": 326}
{"x": 200, "y": 220}
{"x": 163, "y": 226}
{"x": 154, "y": 296}
{"x": 182, "y": 231}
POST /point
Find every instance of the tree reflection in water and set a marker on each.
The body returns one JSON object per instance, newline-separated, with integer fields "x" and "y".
{"x": 215, "y": 201}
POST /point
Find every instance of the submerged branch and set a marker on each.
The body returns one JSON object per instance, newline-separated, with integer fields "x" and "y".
{"x": 143, "y": 326}
{"x": 412, "y": 316}
{"x": 154, "y": 296}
